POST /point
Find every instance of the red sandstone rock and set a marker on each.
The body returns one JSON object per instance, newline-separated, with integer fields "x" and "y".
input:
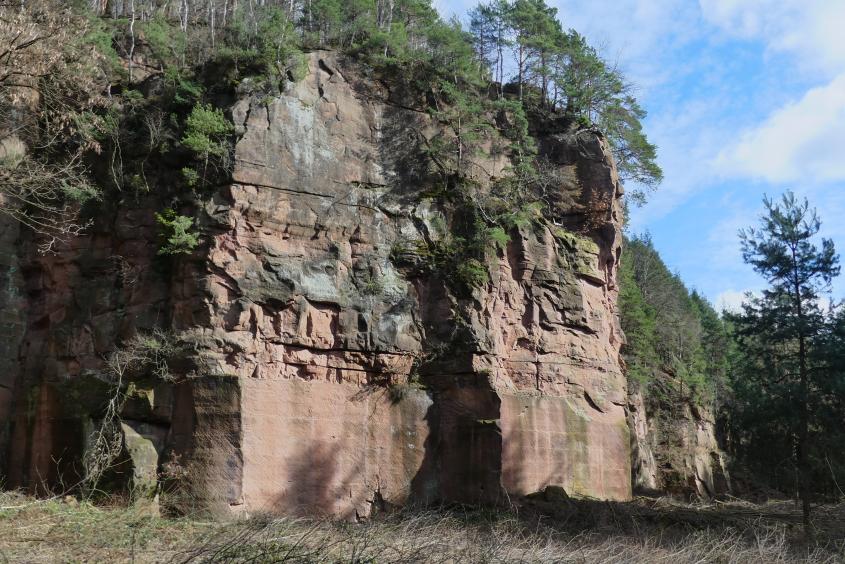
{"x": 309, "y": 393}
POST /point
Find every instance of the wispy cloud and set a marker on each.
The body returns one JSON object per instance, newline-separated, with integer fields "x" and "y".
{"x": 745, "y": 97}
{"x": 640, "y": 35}
{"x": 804, "y": 140}
{"x": 809, "y": 29}
{"x": 730, "y": 300}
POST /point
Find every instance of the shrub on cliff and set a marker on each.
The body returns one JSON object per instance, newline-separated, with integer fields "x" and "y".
{"x": 207, "y": 134}
{"x": 177, "y": 233}
{"x": 472, "y": 273}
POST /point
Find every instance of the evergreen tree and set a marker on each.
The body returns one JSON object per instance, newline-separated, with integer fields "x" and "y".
{"x": 450, "y": 55}
{"x": 638, "y": 320}
{"x": 542, "y": 44}
{"x": 464, "y": 116}
{"x": 715, "y": 345}
{"x": 783, "y": 330}
{"x": 597, "y": 93}
{"x": 668, "y": 329}
{"x": 527, "y": 20}
{"x": 484, "y": 30}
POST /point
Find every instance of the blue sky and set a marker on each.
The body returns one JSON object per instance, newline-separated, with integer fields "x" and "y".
{"x": 745, "y": 98}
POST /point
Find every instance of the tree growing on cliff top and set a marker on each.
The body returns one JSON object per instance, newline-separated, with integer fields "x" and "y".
{"x": 558, "y": 71}
{"x": 784, "y": 330}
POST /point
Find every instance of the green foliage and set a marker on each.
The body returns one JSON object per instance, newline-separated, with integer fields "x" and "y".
{"x": 557, "y": 69}
{"x": 669, "y": 329}
{"x": 449, "y": 50}
{"x": 467, "y": 127}
{"x": 635, "y": 156}
{"x": 448, "y": 67}
{"x": 451, "y": 67}
{"x": 206, "y": 131}
{"x": 167, "y": 42}
{"x": 460, "y": 254}
{"x": 262, "y": 40}
{"x": 789, "y": 387}
{"x": 177, "y": 232}
{"x": 498, "y": 237}
{"x": 207, "y": 135}
{"x": 716, "y": 346}
{"x": 100, "y": 36}
{"x": 323, "y": 21}
{"x": 534, "y": 28}
{"x": 472, "y": 273}
{"x": 81, "y": 191}
{"x": 370, "y": 284}
{"x": 192, "y": 177}
{"x": 593, "y": 92}
{"x": 515, "y": 128}
{"x": 639, "y": 321}
{"x": 185, "y": 91}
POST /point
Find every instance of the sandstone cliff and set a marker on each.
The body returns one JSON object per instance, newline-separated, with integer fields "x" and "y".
{"x": 674, "y": 445}
{"x": 328, "y": 373}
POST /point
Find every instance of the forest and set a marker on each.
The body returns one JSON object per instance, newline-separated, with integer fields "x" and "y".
{"x": 85, "y": 131}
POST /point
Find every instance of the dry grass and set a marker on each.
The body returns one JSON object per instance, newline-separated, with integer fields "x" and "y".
{"x": 56, "y": 530}
{"x": 578, "y": 531}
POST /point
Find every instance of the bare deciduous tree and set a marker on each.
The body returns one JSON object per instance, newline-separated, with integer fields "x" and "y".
{"x": 41, "y": 94}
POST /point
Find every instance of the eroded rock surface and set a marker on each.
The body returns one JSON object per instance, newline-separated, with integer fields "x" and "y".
{"x": 675, "y": 449}
{"x": 327, "y": 377}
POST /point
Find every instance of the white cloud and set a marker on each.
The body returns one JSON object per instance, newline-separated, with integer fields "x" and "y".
{"x": 722, "y": 245}
{"x": 638, "y": 34}
{"x": 804, "y": 140}
{"x": 809, "y": 29}
{"x": 730, "y": 300}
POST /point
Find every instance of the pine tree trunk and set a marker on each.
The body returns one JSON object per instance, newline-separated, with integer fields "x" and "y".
{"x": 803, "y": 439}
{"x": 132, "y": 40}
{"x": 803, "y": 419}
{"x": 499, "y": 57}
{"x": 545, "y": 79}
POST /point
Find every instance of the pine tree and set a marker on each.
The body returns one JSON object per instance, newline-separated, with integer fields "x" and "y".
{"x": 490, "y": 29}
{"x": 482, "y": 27}
{"x": 638, "y": 320}
{"x": 782, "y": 330}
{"x": 522, "y": 20}
{"x": 669, "y": 329}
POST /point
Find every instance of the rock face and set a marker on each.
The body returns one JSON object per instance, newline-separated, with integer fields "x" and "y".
{"x": 675, "y": 449}
{"x": 12, "y": 304}
{"x": 327, "y": 376}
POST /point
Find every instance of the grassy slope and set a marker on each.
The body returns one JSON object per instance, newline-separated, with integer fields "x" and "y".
{"x": 576, "y": 531}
